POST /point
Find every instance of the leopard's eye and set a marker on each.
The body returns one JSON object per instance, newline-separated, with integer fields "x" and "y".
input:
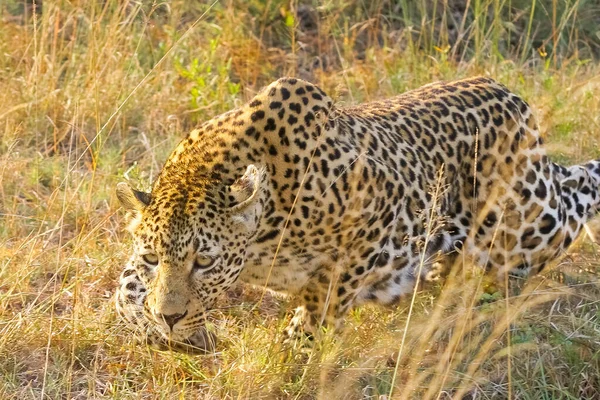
{"x": 150, "y": 259}
{"x": 204, "y": 263}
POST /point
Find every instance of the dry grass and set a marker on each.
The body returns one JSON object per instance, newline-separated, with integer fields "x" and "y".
{"x": 94, "y": 92}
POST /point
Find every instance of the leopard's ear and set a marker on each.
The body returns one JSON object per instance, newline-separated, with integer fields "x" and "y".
{"x": 244, "y": 195}
{"x": 132, "y": 200}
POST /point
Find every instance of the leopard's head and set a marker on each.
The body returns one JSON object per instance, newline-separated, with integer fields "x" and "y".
{"x": 189, "y": 241}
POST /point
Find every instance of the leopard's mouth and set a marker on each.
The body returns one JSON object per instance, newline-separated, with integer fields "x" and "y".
{"x": 200, "y": 342}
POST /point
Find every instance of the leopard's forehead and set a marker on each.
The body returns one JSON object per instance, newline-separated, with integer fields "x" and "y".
{"x": 177, "y": 242}
{"x": 180, "y": 219}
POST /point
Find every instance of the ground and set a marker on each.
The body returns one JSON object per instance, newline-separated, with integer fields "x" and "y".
{"x": 101, "y": 92}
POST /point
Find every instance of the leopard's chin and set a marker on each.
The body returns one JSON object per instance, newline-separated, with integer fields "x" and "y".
{"x": 200, "y": 342}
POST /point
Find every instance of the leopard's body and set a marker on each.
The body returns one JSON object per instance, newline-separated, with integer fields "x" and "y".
{"x": 343, "y": 206}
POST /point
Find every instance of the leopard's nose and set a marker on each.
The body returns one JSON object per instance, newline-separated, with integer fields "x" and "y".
{"x": 171, "y": 319}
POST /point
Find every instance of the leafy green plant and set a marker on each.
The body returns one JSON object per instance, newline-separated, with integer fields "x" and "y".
{"x": 210, "y": 80}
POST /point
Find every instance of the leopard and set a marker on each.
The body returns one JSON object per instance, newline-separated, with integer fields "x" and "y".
{"x": 341, "y": 206}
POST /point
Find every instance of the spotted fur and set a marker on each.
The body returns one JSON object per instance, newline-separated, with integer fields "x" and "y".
{"x": 345, "y": 206}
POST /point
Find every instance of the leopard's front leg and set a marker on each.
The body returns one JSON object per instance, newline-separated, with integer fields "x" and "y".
{"x": 325, "y": 301}
{"x": 129, "y": 300}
